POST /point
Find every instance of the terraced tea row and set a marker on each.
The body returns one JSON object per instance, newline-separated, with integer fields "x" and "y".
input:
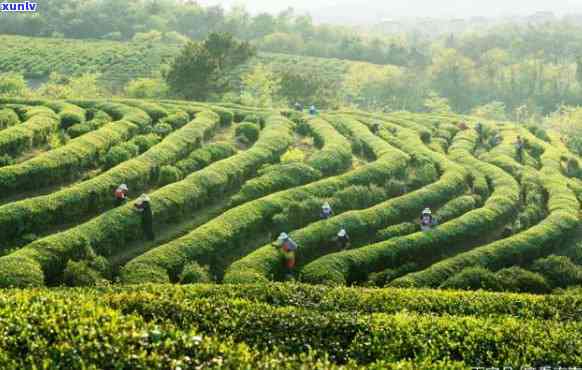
{"x": 225, "y": 180}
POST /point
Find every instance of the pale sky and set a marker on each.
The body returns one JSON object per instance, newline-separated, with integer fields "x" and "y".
{"x": 369, "y": 9}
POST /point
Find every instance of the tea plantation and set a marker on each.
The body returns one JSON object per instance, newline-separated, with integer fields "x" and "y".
{"x": 224, "y": 181}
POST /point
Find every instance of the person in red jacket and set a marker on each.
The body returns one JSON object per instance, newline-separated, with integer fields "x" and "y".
{"x": 121, "y": 195}
{"x": 288, "y": 248}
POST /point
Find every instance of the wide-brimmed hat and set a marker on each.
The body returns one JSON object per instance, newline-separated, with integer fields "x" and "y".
{"x": 123, "y": 187}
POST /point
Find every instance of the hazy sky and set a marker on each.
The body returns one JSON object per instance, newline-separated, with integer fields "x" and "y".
{"x": 407, "y": 8}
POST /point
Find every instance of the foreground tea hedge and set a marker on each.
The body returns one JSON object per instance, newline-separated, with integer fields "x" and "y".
{"x": 283, "y": 326}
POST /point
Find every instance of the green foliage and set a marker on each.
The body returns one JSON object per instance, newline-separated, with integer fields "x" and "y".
{"x": 285, "y": 327}
{"x": 193, "y": 273}
{"x": 80, "y": 274}
{"x": 6, "y": 160}
{"x": 198, "y": 71}
{"x": 169, "y": 175}
{"x": 146, "y": 88}
{"x": 559, "y": 271}
{"x": 473, "y": 278}
{"x": 437, "y": 104}
{"x": 12, "y": 84}
{"x": 494, "y": 111}
{"x": 145, "y": 142}
{"x": 276, "y": 178}
{"x": 162, "y": 129}
{"x": 202, "y": 157}
{"x": 8, "y": 118}
{"x": 249, "y": 131}
{"x": 84, "y": 86}
{"x": 259, "y": 87}
{"x": 119, "y": 154}
{"x": 516, "y": 279}
{"x": 293, "y": 155}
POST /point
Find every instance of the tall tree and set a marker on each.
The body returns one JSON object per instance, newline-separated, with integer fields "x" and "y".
{"x": 200, "y": 69}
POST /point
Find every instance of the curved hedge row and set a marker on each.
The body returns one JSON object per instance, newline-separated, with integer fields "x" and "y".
{"x": 69, "y": 114}
{"x": 8, "y": 118}
{"x": 39, "y": 123}
{"x": 233, "y": 228}
{"x": 334, "y": 157}
{"x": 48, "y": 256}
{"x": 204, "y": 156}
{"x": 266, "y": 261}
{"x": 68, "y": 205}
{"x": 79, "y": 154}
{"x": 451, "y": 210}
{"x": 339, "y": 268}
{"x": 533, "y": 243}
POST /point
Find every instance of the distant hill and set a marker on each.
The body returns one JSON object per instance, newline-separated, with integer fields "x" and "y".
{"x": 120, "y": 62}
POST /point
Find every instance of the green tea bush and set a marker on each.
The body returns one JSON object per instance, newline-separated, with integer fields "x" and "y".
{"x": 80, "y": 274}
{"x": 119, "y": 154}
{"x": 194, "y": 273}
{"x": 559, "y": 271}
{"x": 169, "y": 174}
{"x": 276, "y": 178}
{"x": 250, "y": 131}
{"x": 202, "y": 157}
{"x": 162, "y": 129}
{"x": 473, "y": 278}
{"x": 516, "y": 279}
{"x": 8, "y": 118}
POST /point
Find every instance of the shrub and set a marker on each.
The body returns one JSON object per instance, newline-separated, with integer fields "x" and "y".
{"x": 39, "y": 123}
{"x": 276, "y": 178}
{"x": 146, "y": 88}
{"x": 162, "y": 129}
{"x": 293, "y": 155}
{"x": 202, "y": 157}
{"x": 193, "y": 273}
{"x": 119, "y": 154}
{"x": 473, "y": 278}
{"x": 516, "y": 279}
{"x": 12, "y": 84}
{"x": 80, "y": 274}
{"x": 169, "y": 175}
{"x": 177, "y": 120}
{"x": 559, "y": 271}
{"x": 8, "y": 118}
{"x": 250, "y": 131}
{"x": 102, "y": 266}
{"x": 145, "y": 142}
{"x": 6, "y": 160}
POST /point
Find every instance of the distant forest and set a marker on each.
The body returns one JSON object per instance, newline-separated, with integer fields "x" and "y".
{"x": 523, "y": 68}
